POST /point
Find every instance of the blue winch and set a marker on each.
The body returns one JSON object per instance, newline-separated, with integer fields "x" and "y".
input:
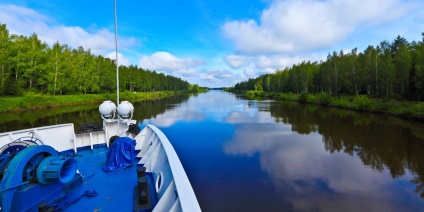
{"x": 35, "y": 175}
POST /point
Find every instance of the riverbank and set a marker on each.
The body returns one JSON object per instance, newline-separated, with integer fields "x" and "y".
{"x": 32, "y": 101}
{"x": 403, "y": 109}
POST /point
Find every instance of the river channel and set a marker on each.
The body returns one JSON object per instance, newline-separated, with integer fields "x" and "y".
{"x": 250, "y": 155}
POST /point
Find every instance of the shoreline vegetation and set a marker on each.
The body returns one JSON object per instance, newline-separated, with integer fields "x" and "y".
{"x": 29, "y": 66}
{"x": 35, "y": 75}
{"x": 387, "y": 78}
{"x": 35, "y": 101}
{"x": 403, "y": 109}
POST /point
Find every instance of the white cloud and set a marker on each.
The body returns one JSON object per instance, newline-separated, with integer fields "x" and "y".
{"x": 189, "y": 72}
{"x": 249, "y": 72}
{"x": 276, "y": 61}
{"x": 207, "y": 77}
{"x": 254, "y": 66}
{"x": 222, "y": 74}
{"x": 284, "y": 29}
{"x": 218, "y": 78}
{"x": 290, "y": 26}
{"x": 189, "y": 69}
{"x": 291, "y": 31}
{"x": 122, "y": 60}
{"x": 237, "y": 61}
{"x": 24, "y": 21}
{"x": 165, "y": 61}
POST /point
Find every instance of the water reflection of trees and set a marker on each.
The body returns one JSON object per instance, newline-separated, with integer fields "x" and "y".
{"x": 380, "y": 142}
{"x": 82, "y": 114}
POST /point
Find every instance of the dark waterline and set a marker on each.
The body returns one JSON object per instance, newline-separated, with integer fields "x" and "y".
{"x": 243, "y": 155}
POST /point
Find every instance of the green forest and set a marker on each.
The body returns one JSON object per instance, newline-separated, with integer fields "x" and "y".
{"x": 30, "y": 65}
{"x": 389, "y": 70}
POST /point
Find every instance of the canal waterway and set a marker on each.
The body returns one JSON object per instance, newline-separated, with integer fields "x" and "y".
{"x": 250, "y": 155}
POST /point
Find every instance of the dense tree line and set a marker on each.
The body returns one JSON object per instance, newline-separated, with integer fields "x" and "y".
{"x": 388, "y": 70}
{"x": 28, "y": 64}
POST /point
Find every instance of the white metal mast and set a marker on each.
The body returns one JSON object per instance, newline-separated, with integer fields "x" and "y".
{"x": 116, "y": 52}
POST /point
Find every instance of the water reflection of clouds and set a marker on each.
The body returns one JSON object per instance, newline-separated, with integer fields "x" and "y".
{"x": 212, "y": 106}
{"x": 249, "y": 116}
{"x": 172, "y": 116}
{"x": 298, "y": 167}
{"x": 311, "y": 178}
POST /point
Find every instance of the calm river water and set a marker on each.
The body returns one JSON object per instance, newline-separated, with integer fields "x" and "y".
{"x": 246, "y": 155}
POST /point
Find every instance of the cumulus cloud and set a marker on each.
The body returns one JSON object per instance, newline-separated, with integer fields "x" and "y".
{"x": 207, "y": 77}
{"x": 292, "y": 26}
{"x": 24, "y": 21}
{"x": 220, "y": 77}
{"x": 249, "y": 72}
{"x": 189, "y": 72}
{"x": 275, "y": 61}
{"x": 165, "y": 61}
{"x": 190, "y": 69}
{"x": 122, "y": 60}
{"x": 222, "y": 74}
{"x": 237, "y": 61}
{"x": 253, "y": 66}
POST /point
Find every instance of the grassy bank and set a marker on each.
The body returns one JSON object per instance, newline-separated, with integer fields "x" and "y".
{"x": 31, "y": 101}
{"x": 404, "y": 109}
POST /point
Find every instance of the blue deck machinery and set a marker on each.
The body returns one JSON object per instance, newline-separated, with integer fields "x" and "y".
{"x": 34, "y": 176}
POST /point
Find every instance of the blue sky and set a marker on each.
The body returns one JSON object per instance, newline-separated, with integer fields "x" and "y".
{"x": 216, "y": 43}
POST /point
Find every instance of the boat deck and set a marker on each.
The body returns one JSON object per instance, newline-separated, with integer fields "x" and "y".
{"x": 114, "y": 189}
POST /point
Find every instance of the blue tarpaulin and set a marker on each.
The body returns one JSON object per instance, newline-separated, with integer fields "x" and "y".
{"x": 120, "y": 155}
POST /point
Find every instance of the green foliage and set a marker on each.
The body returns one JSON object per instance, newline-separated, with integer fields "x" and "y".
{"x": 399, "y": 108}
{"x": 28, "y": 64}
{"x": 283, "y": 96}
{"x": 341, "y": 102}
{"x": 417, "y": 110}
{"x": 13, "y": 88}
{"x": 197, "y": 89}
{"x": 305, "y": 97}
{"x": 389, "y": 70}
{"x": 289, "y": 96}
{"x": 383, "y": 78}
{"x": 273, "y": 94}
{"x": 254, "y": 94}
{"x": 362, "y": 102}
{"x": 31, "y": 100}
{"x": 382, "y": 105}
{"x": 258, "y": 87}
{"x": 324, "y": 99}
